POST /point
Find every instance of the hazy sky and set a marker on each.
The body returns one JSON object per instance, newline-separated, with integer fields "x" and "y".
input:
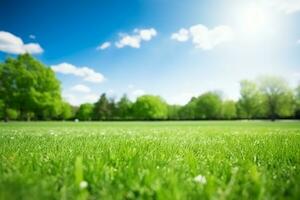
{"x": 176, "y": 49}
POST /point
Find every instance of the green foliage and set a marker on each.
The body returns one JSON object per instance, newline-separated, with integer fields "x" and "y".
{"x": 150, "y": 107}
{"x": 229, "y": 110}
{"x": 1, "y": 109}
{"x": 12, "y": 114}
{"x": 297, "y": 101}
{"x": 102, "y": 109}
{"x": 208, "y": 106}
{"x": 66, "y": 111}
{"x": 277, "y": 97}
{"x": 189, "y": 110}
{"x": 250, "y": 103}
{"x": 174, "y": 112}
{"x": 32, "y": 91}
{"x": 157, "y": 160}
{"x": 124, "y": 108}
{"x": 85, "y": 112}
{"x": 30, "y": 87}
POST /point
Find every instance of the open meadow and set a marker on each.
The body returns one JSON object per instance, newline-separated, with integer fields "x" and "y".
{"x": 150, "y": 160}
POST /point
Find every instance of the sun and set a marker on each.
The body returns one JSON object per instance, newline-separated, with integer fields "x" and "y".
{"x": 253, "y": 19}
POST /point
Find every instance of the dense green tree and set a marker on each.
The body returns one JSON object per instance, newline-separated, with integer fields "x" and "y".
{"x": 29, "y": 89}
{"x": 12, "y": 114}
{"x": 297, "y": 101}
{"x": 102, "y": 109}
{"x": 85, "y": 112}
{"x": 229, "y": 110}
{"x": 149, "y": 107}
{"x": 28, "y": 86}
{"x": 113, "y": 110}
{"x": 66, "y": 111}
{"x": 8, "y": 86}
{"x": 250, "y": 102}
{"x": 1, "y": 109}
{"x": 124, "y": 108}
{"x": 208, "y": 106}
{"x": 173, "y": 112}
{"x": 188, "y": 111}
{"x": 277, "y": 97}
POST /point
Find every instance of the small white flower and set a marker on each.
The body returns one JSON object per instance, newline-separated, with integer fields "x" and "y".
{"x": 83, "y": 184}
{"x": 200, "y": 179}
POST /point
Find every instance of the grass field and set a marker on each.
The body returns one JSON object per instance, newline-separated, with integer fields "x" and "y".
{"x": 150, "y": 160}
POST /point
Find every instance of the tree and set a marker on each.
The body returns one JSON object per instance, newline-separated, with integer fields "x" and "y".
{"x": 149, "y": 107}
{"x": 8, "y": 87}
{"x": 173, "y": 112}
{"x": 250, "y": 102}
{"x": 208, "y": 106}
{"x": 229, "y": 110}
{"x": 1, "y": 109}
{"x": 28, "y": 86}
{"x": 12, "y": 114}
{"x": 277, "y": 97}
{"x": 297, "y": 99}
{"x": 124, "y": 107}
{"x": 113, "y": 111}
{"x": 9, "y": 113}
{"x": 188, "y": 111}
{"x": 66, "y": 111}
{"x": 102, "y": 108}
{"x": 85, "y": 112}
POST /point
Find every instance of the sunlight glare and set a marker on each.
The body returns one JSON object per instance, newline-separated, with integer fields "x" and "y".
{"x": 253, "y": 19}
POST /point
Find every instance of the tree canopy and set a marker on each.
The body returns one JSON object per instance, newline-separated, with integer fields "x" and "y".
{"x": 30, "y": 90}
{"x": 149, "y": 107}
{"x": 249, "y": 104}
{"x": 277, "y": 97}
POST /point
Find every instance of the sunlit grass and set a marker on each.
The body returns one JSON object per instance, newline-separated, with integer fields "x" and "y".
{"x": 150, "y": 160}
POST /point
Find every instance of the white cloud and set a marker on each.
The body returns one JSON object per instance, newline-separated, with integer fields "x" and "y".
{"x": 207, "y": 39}
{"x": 103, "y": 46}
{"x": 77, "y": 99}
{"x": 286, "y": 6}
{"x": 146, "y": 34}
{"x": 32, "y": 37}
{"x": 298, "y": 42}
{"x": 10, "y": 43}
{"x": 87, "y": 73}
{"x": 135, "y": 40}
{"x": 131, "y": 41}
{"x": 81, "y": 88}
{"x": 204, "y": 38}
{"x": 181, "y": 36}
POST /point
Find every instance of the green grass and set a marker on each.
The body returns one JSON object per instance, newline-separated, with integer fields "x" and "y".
{"x": 150, "y": 160}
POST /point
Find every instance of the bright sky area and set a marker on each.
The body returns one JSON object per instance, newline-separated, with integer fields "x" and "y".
{"x": 175, "y": 49}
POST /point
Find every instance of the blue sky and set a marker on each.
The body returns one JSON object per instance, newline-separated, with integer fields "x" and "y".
{"x": 176, "y": 49}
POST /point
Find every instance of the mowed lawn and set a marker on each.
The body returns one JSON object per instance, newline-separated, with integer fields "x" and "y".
{"x": 150, "y": 160}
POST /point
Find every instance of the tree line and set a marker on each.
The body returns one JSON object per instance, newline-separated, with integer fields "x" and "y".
{"x": 29, "y": 90}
